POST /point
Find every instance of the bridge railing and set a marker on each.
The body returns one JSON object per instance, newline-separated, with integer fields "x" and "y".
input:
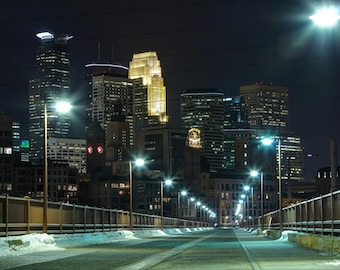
{"x": 320, "y": 215}
{"x": 24, "y": 215}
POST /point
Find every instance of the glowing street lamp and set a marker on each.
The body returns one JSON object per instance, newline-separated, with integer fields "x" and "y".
{"x": 269, "y": 141}
{"x": 255, "y": 174}
{"x": 167, "y": 182}
{"x": 139, "y": 163}
{"x": 325, "y": 17}
{"x": 247, "y": 188}
{"x": 181, "y": 193}
{"x": 62, "y": 107}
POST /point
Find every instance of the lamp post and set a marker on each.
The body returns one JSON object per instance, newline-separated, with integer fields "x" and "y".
{"x": 280, "y": 188}
{"x": 268, "y": 141}
{"x": 138, "y": 162}
{"x": 192, "y": 200}
{"x": 254, "y": 174}
{"x": 198, "y": 204}
{"x": 45, "y": 198}
{"x": 167, "y": 182}
{"x": 181, "y": 193}
{"x": 61, "y": 107}
{"x": 247, "y": 188}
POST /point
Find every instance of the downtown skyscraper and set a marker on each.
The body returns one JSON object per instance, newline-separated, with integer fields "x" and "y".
{"x": 268, "y": 113}
{"x": 203, "y": 109}
{"x": 149, "y": 92}
{"x": 111, "y": 97}
{"x": 50, "y": 84}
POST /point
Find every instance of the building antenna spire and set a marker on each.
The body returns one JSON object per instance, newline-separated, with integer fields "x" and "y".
{"x": 98, "y": 48}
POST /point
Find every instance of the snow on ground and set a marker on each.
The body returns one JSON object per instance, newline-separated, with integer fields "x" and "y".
{"x": 24, "y": 244}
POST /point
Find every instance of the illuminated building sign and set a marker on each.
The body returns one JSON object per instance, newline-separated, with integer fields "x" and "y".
{"x": 25, "y": 144}
{"x": 194, "y": 138}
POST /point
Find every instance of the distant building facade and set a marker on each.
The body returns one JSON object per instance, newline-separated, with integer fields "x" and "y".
{"x": 7, "y": 154}
{"x": 70, "y": 150}
{"x": 204, "y": 109}
{"x": 111, "y": 95}
{"x": 50, "y": 85}
{"x": 267, "y": 106}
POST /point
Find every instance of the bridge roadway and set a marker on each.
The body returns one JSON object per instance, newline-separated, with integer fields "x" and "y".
{"x": 212, "y": 249}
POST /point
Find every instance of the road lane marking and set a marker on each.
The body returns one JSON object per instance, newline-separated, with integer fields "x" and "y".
{"x": 159, "y": 257}
{"x": 250, "y": 258}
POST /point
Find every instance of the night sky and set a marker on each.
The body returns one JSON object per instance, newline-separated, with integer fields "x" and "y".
{"x": 200, "y": 44}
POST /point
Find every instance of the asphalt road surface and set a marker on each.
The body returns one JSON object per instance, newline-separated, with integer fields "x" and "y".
{"x": 213, "y": 249}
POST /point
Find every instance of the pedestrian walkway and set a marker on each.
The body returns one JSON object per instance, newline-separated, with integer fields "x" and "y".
{"x": 266, "y": 253}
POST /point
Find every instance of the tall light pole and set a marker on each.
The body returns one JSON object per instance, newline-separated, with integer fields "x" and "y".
{"x": 254, "y": 174}
{"x": 45, "y": 198}
{"x": 280, "y": 187}
{"x": 138, "y": 162}
{"x": 167, "y": 182}
{"x": 62, "y": 107}
{"x": 268, "y": 141}
{"x": 181, "y": 193}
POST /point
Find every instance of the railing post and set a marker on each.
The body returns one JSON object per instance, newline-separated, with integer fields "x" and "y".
{"x": 6, "y": 207}
{"x": 332, "y": 213}
{"x": 103, "y": 219}
{"x": 60, "y": 217}
{"x": 74, "y": 217}
{"x": 94, "y": 218}
{"x": 28, "y": 215}
{"x": 85, "y": 218}
{"x": 321, "y": 214}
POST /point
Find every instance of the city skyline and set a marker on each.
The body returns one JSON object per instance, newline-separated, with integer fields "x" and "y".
{"x": 201, "y": 44}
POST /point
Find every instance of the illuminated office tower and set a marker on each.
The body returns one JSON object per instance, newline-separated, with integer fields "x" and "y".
{"x": 50, "y": 84}
{"x": 149, "y": 91}
{"x": 267, "y": 106}
{"x": 267, "y": 109}
{"x": 111, "y": 95}
{"x": 203, "y": 109}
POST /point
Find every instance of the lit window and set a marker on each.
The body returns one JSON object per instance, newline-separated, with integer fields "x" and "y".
{"x": 7, "y": 150}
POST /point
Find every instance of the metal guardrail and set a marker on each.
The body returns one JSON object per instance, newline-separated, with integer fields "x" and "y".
{"x": 320, "y": 215}
{"x": 24, "y": 215}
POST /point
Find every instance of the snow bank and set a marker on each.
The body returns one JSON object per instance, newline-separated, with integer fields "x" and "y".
{"x": 18, "y": 245}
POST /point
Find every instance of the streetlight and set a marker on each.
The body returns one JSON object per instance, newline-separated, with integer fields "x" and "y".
{"x": 181, "y": 193}
{"x": 139, "y": 163}
{"x": 247, "y": 188}
{"x": 326, "y": 17}
{"x": 167, "y": 182}
{"x": 192, "y": 200}
{"x": 255, "y": 174}
{"x": 61, "y": 107}
{"x": 198, "y": 204}
{"x": 269, "y": 141}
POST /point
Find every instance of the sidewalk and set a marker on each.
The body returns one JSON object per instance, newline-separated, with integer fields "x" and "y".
{"x": 266, "y": 253}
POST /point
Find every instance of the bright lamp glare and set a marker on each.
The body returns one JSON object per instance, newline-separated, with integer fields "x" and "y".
{"x": 63, "y": 106}
{"x": 267, "y": 141}
{"x": 168, "y": 182}
{"x": 184, "y": 193}
{"x": 246, "y": 188}
{"x": 139, "y": 162}
{"x": 254, "y": 173}
{"x": 326, "y": 17}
